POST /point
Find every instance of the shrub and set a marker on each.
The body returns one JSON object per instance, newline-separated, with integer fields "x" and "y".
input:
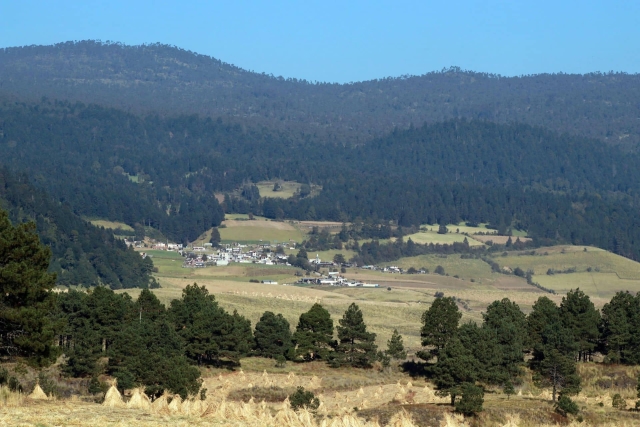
{"x": 618, "y": 402}
{"x": 14, "y": 384}
{"x": 566, "y": 406}
{"x": 304, "y": 399}
{"x": 439, "y": 270}
{"x": 95, "y": 386}
{"x": 4, "y": 376}
{"x": 281, "y": 361}
{"x": 48, "y": 385}
{"x": 471, "y": 401}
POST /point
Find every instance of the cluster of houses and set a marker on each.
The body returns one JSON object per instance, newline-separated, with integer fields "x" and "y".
{"x": 390, "y": 269}
{"x": 207, "y": 256}
{"x": 197, "y": 256}
{"x": 334, "y": 279}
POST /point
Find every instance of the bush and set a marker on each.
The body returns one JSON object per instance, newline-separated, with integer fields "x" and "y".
{"x": 618, "y": 402}
{"x": 14, "y": 385}
{"x": 95, "y": 386}
{"x": 439, "y": 270}
{"x": 281, "y": 361}
{"x": 471, "y": 400}
{"x": 566, "y": 406}
{"x": 304, "y": 399}
{"x": 4, "y": 376}
{"x": 49, "y": 386}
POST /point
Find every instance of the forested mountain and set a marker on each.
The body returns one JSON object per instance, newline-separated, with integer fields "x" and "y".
{"x": 82, "y": 254}
{"x": 169, "y": 80}
{"x": 558, "y": 187}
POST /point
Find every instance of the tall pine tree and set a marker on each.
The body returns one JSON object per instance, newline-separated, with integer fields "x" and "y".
{"x": 27, "y": 327}
{"x": 356, "y": 347}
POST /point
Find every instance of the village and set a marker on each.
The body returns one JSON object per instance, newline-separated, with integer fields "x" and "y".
{"x": 266, "y": 254}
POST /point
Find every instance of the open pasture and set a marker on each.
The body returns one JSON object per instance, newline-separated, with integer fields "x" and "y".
{"x": 259, "y": 230}
{"x": 453, "y": 265}
{"x": 287, "y": 190}
{"x": 423, "y": 237}
{"x": 500, "y": 240}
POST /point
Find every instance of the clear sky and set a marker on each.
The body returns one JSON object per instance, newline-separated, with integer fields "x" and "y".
{"x": 351, "y": 40}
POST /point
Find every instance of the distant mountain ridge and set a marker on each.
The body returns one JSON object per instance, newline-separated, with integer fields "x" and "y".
{"x": 170, "y": 80}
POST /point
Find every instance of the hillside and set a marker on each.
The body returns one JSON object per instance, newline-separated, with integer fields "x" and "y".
{"x": 168, "y": 171}
{"x": 165, "y": 79}
{"x": 81, "y": 253}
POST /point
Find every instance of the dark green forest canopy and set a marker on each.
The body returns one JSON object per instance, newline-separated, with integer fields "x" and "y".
{"x": 558, "y": 187}
{"x": 80, "y": 253}
{"x": 170, "y": 80}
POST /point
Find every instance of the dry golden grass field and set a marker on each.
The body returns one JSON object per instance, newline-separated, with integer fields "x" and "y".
{"x": 256, "y": 395}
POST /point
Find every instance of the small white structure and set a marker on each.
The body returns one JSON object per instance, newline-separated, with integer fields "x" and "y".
{"x": 269, "y": 282}
{"x": 222, "y": 262}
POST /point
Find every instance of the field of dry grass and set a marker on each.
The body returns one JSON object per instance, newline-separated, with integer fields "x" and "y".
{"x": 256, "y": 396}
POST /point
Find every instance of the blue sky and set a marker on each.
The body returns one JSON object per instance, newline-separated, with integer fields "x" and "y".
{"x": 342, "y": 41}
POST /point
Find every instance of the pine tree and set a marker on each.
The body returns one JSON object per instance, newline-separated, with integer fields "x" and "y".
{"x": 395, "y": 347}
{"x": 209, "y": 332}
{"x": 27, "y": 327}
{"x": 273, "y": 336}
{"x": 504, "y": 331}
{"x": 581, "y": 317}
{"x": 472, "y": 398}
{"x": 151, "y": 354}
{"x": 314, "y": 334}
{"x": 356, "y": 347}
{"x": 456, "y": 365}
{"x": 215, "y": 237}
{"x": 439, "y": 324}
{"x": 557, "y": 371}
{"x": 544, "y": 313}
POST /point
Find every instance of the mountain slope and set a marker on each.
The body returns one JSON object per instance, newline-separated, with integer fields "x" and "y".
{"x": 82, "y": 254}
{"x": 557, "y": 187}
{"x": 170, "y": 80}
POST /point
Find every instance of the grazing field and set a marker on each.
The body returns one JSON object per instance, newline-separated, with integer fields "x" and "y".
{"x": 289, "y": 188}
{"x": 453, "y": 265}
{"x": 259, "y": 230}
{"x": 328, "y": 255}
{"x": 463, "y": 228}
{"x": 113, "y": 225}
{"x": 500, "y": 240}
{"x": 423, "y": 237}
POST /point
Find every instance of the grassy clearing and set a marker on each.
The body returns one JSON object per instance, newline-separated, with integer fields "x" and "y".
{"x": 423, "y": 237}
{"x": 113, "y": 225}
{"x": 453, "y": 265}
{"x": 462, "y": 228}
{"x": 258, "y": 230}
{"x": 289, "y": 188}
{"x": 328, "y": 255}
{"x": 565, "y": 257}
{"x": 602, "y": 285}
